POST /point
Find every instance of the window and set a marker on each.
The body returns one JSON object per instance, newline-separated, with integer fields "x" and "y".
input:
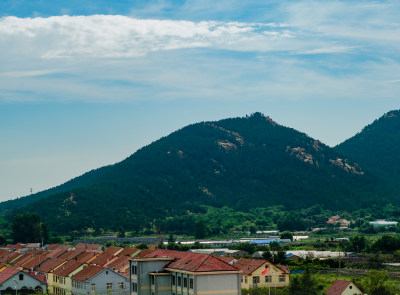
{"x": 106, "y": 272}
{"x": 185, "y": 282}
{"x": 268, "y": 279}
{"x": 134, "y": 287}
{"x": 256, "y": 280}
{"x": 179, "y": 281}
{"x": 134, "y": 269}
{"x": 121, "y": 285}
{"x": 152, "y": 280}
{"x": 38, "y": 289}
{"x": 109, "y": 286}
{"x": 191, "y": 283}
{"x": 21, "y": 277}
{"x": 173, "y": 279}
{"x": 245, "y": 280}
{"x": 93, "y": 287}
{"x": 281, "y": 278}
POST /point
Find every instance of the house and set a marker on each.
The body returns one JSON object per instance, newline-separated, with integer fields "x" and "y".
{"x": 99, "y": 280}
{"x": 257, "y": 273}
{"x": 14, "y": 280}
{"x": 342, "y": 287}
{"x": 167, "y": 272}
{"x": 49, "y": 266}
{"x": 59, "y": 281}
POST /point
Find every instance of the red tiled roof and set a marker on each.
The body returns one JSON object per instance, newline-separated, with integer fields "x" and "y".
{"x": 85, "y": 256}
{"x": 88, "y": 247}
{"x": 40, "y": 277}
{"x": 248, "y": 266}
{"x": 65, "y": 269}
{"x": 10, "y": 257}
{"x": 32, "y": 245}
{"x": 17, "y": 246}
{"x": 128, "y": 252}
{"x": 121, "y": 264}
{"x": 103, "y": 259}
{"x": 71, "y": 254}
{"x": 55, "y": 253}
{"x": 193, "y": 262}
{"x": 22, "y": 260}
{"x": 337, "y": 287}
{"x": 87, "y": 273}
{"x": 35, "y": 262}
{"x": 227, "y": 259}
{"x": 113, "y": 250}
{"x": 50, "y": 264}
{"x": 8, "y": 273}
{"x": 4, "y": 253}
{"x": 54, "y": 247}
{"x": 143, "y": 253}
{"x": 285, "y": 268}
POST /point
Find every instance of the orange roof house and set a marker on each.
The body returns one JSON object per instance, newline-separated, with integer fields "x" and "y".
{"x": 262, "y": 273}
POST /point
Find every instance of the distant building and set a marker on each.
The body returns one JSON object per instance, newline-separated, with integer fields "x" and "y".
{"x": 257, "y": 273}
{"x": 383, "y": 223}
{"x": 342, "y": 287}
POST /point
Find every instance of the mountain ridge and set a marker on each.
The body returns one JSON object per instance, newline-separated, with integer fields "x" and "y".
{"x": 241, "y": 163}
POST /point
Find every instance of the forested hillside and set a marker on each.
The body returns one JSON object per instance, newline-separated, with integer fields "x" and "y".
{"x": 377, "y": 147}
{"x": 239, "y": 163}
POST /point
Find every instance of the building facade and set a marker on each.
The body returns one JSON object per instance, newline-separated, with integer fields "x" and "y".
{"x": 166, "y": 272}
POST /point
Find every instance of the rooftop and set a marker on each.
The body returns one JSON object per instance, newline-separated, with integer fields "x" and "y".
{"x": 87, "y": 273}
{"x": 192, "y": 262}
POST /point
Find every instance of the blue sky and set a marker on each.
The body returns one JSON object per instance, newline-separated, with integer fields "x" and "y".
{"x": 86, "y": 83}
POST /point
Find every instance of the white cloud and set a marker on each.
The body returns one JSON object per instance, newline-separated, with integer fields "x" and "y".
{"x": 111, "y": 36}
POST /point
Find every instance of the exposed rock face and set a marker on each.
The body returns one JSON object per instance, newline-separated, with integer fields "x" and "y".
{"x": 390, "y": 115}
{"x": 227, "y": 145}
{"x": 273, "y": 123}
{"x": 355, "y": 169}
{"x": 300, "y": 154}
{"x": 236, "y": 135}
{"x": 317, "y": 146}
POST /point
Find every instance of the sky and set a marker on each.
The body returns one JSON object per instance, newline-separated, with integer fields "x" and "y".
{"x": 85, "y": 84}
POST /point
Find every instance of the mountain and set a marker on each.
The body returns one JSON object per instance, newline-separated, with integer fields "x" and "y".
{"x": 239, "y": 163}
{"x": 376, "y": 147}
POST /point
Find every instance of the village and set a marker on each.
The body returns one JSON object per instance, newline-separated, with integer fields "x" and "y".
{"x": 83, "y": 269}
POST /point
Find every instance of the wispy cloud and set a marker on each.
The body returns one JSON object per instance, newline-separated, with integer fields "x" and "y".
{"x": 120, "y": 36}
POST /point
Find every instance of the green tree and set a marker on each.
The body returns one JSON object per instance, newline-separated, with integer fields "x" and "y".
{"x": 267, "y": 255}
{"x": 29, "y": 228}
{"x": 375, "y": 283}
{"x": 200, "y": 230}
{"x": 3, "y": 240}
{"x": 121, "y": 232}
{"x": 304, "y": 284}
{"x": 287, "y": 235}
